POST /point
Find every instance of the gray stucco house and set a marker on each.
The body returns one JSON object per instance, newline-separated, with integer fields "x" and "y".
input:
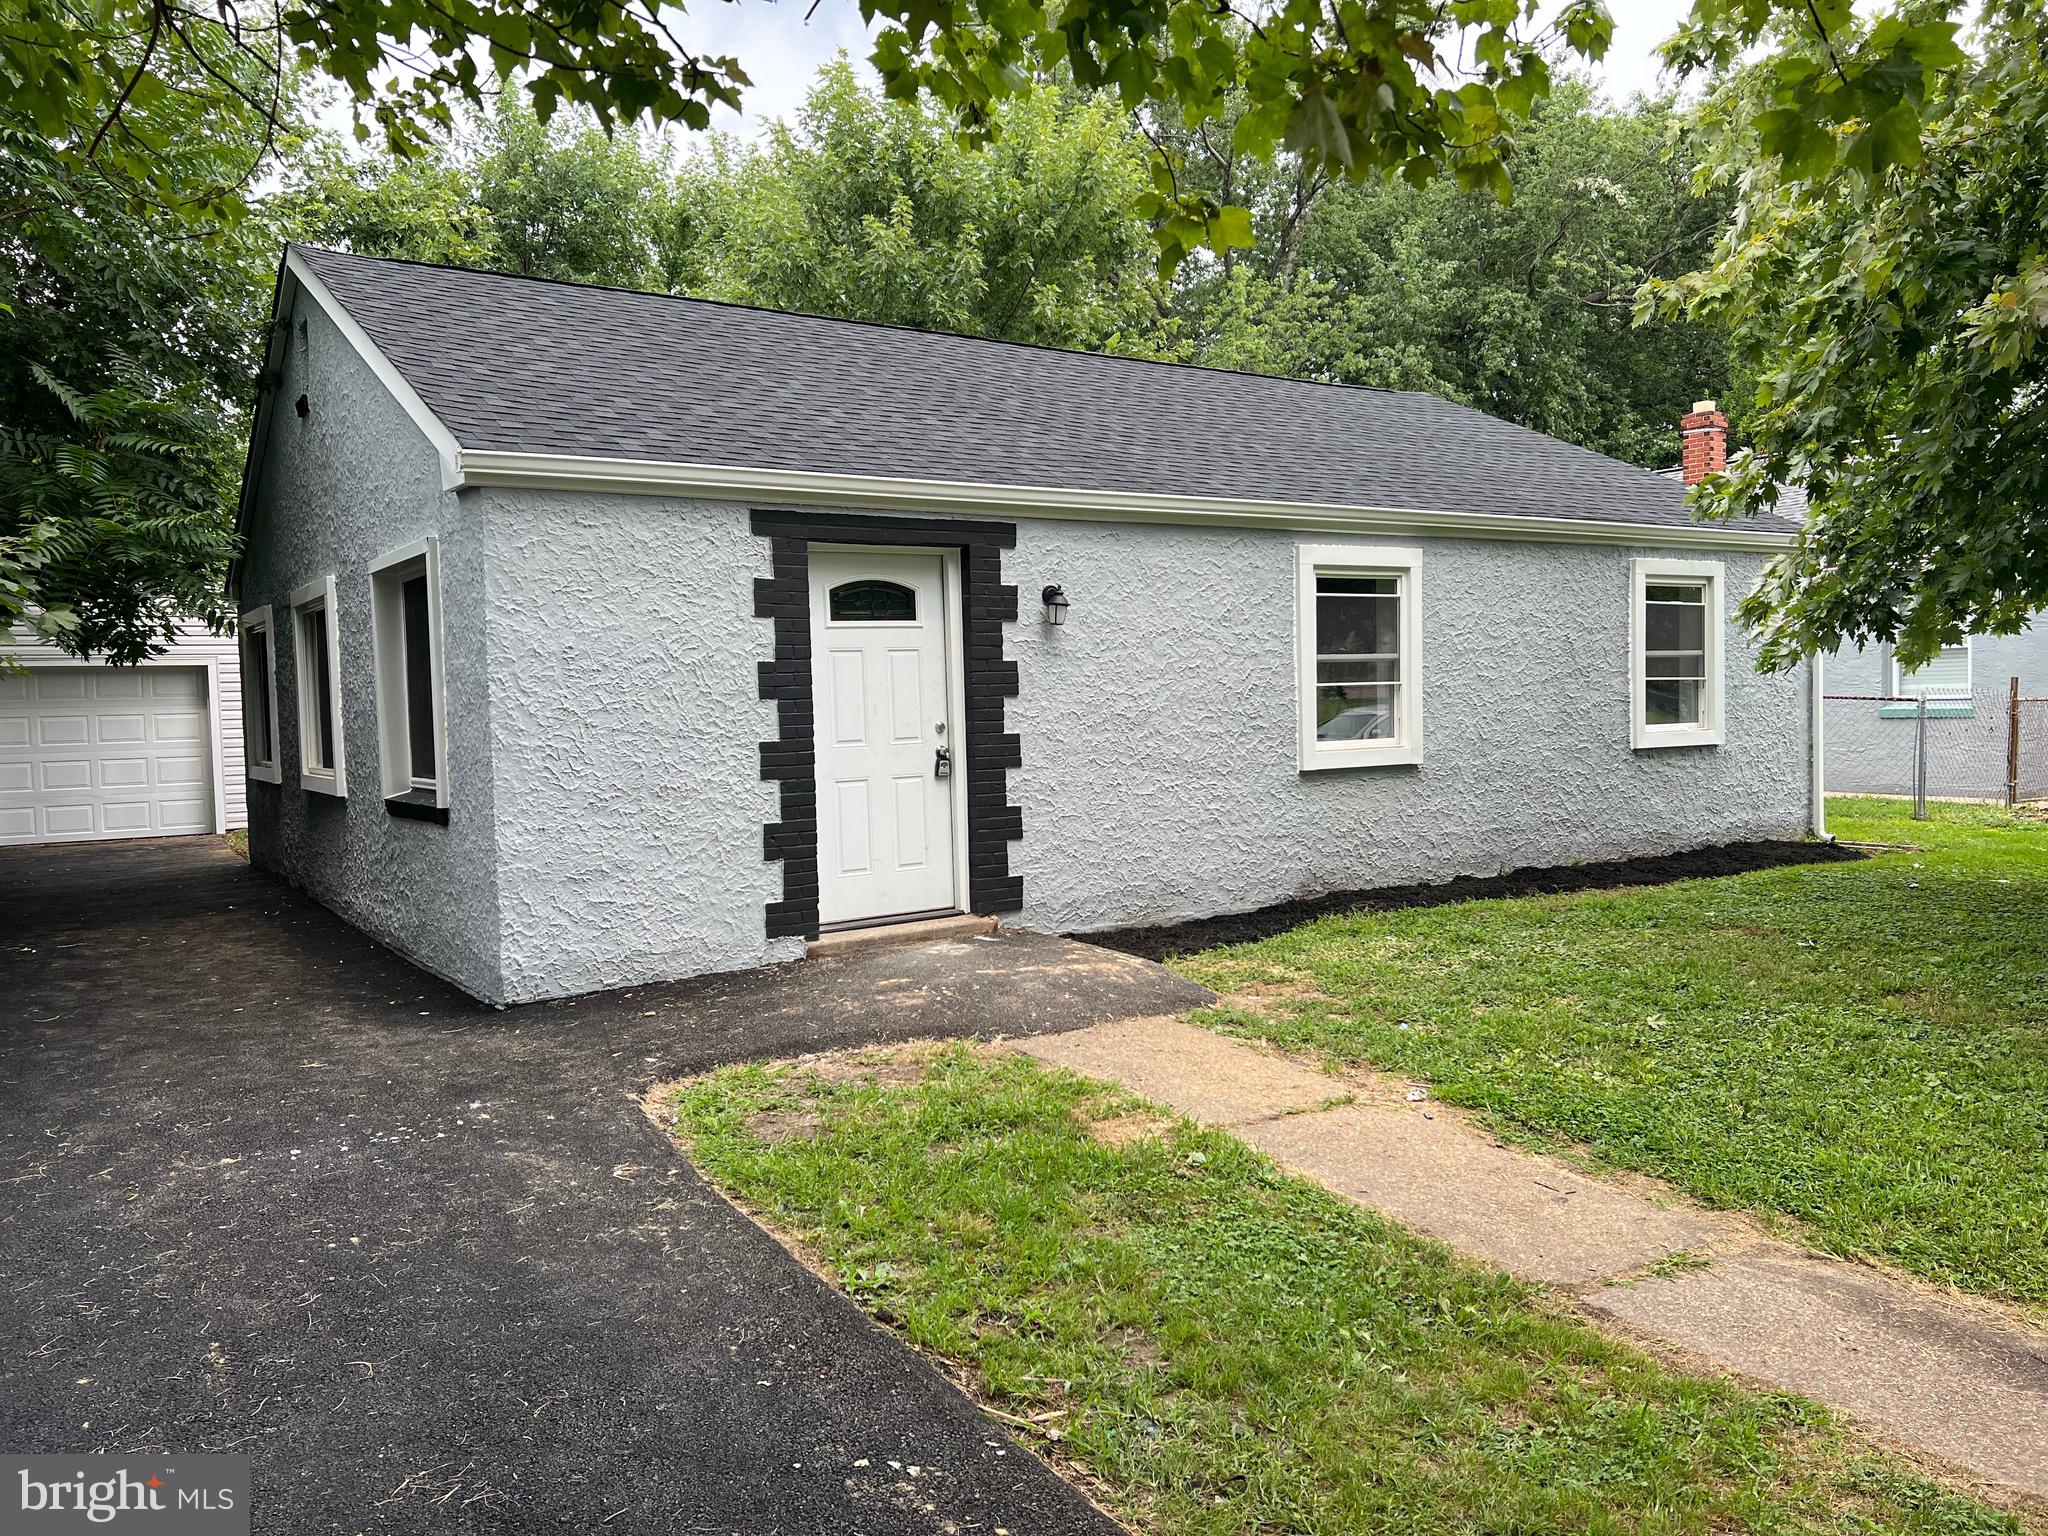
{"x": 603, "y": 637}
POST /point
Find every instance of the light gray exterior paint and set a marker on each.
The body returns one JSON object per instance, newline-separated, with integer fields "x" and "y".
{"x": 1160, "y": 776}
{"x": 1869, "y": 747}
{"x": 625, "y": 738}
{"x": 350, "y": 482}
{"x": 604, "y": 720}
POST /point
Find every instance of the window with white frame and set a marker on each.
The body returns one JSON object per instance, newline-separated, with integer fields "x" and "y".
{"x": 316, "y": 658}
{"x": 1945, "y": 676}
{"x": 1676, "y": 661}
{"x": 1359, "y": 660}
{"x": 412, "y": 737}
{"x": 259, "y": 694}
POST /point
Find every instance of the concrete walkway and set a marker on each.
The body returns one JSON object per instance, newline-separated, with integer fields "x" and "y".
{"x": 1954, "y": 1380}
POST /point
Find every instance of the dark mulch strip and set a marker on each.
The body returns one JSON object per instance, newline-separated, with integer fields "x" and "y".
{"x": 1156, "y": 943}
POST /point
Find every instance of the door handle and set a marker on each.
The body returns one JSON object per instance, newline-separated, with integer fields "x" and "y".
{"x": 942, "y": 764}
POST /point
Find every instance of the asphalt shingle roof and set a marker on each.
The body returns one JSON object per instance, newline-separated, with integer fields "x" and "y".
{"x": 520, "y": 365}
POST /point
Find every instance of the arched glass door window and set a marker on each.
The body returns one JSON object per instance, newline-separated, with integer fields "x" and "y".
{"x": 872, "y": 602}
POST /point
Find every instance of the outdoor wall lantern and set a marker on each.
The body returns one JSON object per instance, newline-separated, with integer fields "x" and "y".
{"x": 1055, "y": 600}
{"x": 302, "y": 406}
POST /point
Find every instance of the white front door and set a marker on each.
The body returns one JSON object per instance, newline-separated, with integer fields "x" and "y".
{"x": 879, "y": 623}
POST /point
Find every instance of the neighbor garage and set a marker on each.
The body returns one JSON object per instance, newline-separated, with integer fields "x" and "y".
{"x": 92, "y": 752}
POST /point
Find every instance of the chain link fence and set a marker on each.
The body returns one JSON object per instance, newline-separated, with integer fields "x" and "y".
{"x": 1989, "y": 745}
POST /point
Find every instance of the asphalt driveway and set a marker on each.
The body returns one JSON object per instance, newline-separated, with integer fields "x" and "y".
{"x": 265, "y": 1188}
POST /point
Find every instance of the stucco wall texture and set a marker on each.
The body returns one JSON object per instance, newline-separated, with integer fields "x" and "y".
{"x": 1160, "y": 776}
{"x": 625, "y": 740}
{"x": 604, "y": 720}
{"x": 351, "y": 481}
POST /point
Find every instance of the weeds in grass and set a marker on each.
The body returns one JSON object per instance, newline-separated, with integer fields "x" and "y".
{"x": 1223, "y": 1349}
{"x": 1857, "y": 1046}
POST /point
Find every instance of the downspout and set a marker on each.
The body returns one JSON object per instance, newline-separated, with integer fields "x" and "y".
{"x": 1816, "y": 707}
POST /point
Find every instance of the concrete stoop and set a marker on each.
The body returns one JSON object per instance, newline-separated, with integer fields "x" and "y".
{"x": 1956, "y": 1380}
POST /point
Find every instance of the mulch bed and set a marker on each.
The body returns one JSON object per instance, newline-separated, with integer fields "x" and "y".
{"x": 1157, "y": 942}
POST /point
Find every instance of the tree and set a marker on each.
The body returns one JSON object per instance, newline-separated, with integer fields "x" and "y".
{"x": 1364, "y": 86}
{"x": 871, "y": 209}
{"x": 1521, "y": 309}
{"x": 502, "y": 192}
{"x": 1892, "y": 299}
{"x": 174, "y": 108}
{"x": 128, "y": 342}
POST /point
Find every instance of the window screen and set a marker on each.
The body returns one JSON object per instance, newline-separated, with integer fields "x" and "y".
{"x": 1358, "y": 657}
{"x": 419, "y": 679}
{"x": 1674, "y": 653}
{"x": 256, "y": 700}
{"x": 320, "y": 750}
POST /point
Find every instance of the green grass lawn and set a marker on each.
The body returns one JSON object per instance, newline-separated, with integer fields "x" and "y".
{"x": 1863, "y": 1047}
{"x": 1218, "y": 1348}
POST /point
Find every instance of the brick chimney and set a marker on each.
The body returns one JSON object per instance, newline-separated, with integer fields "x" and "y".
{"x": 1704, "y": 432}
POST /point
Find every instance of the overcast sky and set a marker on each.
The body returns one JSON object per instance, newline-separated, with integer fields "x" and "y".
{"x": 781, "y": 51}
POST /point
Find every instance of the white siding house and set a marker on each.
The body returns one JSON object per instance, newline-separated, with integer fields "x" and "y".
{"x": 91, "y": 752}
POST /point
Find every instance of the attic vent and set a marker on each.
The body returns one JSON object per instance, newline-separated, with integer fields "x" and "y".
{"x": 872, "y": 602}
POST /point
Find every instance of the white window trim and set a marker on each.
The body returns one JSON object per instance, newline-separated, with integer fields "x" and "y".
{"x": 271, "y": 772}
{"x": 319, "y": 594}
{"x": 1711, "y": 731}
{"x": 387, "y": 639}
{"x": 1903, "y": 689}
{"x": 1358, "y": 560}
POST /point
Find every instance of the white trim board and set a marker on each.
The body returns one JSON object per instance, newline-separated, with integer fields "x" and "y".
{"x": 545, "y": 471}
{"x": 271, "y": 772}
{"x": 387, "y": 645}
{"x": 1711, "y": 730}
{"x": 1405, "y": 566}
{"x": 319, "y": 594}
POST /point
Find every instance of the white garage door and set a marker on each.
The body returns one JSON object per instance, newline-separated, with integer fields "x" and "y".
{"x": 99, "y": 752}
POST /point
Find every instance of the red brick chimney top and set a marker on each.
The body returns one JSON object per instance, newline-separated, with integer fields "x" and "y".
{"x": 1704, "y": 432}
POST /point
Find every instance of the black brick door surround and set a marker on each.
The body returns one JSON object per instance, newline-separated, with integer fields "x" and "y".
{"x": 790, "y": 760}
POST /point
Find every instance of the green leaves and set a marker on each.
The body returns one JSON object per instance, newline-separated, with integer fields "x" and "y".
{"x": 114, "y": 531}
{"x": 1520, "y": 309}
{"x": 1357, "y": 88}
{"x": 1889, "y": 296}
{"x": 873, "y": 209}
{"x": 1837, "y": 92}
{"x": 128, "y": 334}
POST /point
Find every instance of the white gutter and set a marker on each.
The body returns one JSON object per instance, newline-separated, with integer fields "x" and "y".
{"x": 546, "y": 471}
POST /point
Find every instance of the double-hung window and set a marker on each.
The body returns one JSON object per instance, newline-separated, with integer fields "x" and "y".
{"x": 259, "y": 695}
{"x": 1358, "y": 657}
{"x": 405, "y": 602}
{"x": 316, "y": 654}
{"x": 1676, "y": 671}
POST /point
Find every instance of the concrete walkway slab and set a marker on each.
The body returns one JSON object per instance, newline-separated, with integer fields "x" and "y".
{"x": 1952, "y": 1381}
{"x": 1535, "y": 1218}
{"x": 1933, "y": 1373}
{"x": 1196, "y": 1071}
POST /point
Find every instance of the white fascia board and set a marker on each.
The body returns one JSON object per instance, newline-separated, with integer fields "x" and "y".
{"x": 432, "y": 426}
{"x": 545, "y": 471}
